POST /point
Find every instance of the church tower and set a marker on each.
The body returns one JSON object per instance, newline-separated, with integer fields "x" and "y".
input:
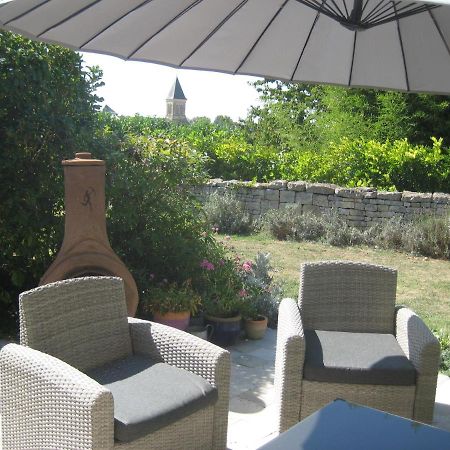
{"x": 176, "y": 103}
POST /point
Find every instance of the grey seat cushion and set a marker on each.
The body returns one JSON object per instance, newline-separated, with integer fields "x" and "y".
{"x": 149, "y": 395}
{"x": 356, "y": 358}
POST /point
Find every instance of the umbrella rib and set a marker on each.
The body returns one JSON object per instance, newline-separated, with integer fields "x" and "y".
{"x": 332, "y": 10}
{"x": 346, "y": 9}
{"x": 261, "y": 35}
{"x": 114, "y": 22}
{"x": 439, "y": 31}
{"x": 306, "y": 43}
{"x": 364, "y": 7}
{"x": 180, "y": 14}
{"x": 26, "y": 12}
{"x": 353, "y": 59}
{"x": 405, "y": 11}
{"x": 337, "y": 7}
{"x": 220, "y": 25}
{"x": 323, "y": 8}
{"x": 57, "y": 24}
{"x": 380, "y": 8}
{"x": 403, "y": 50}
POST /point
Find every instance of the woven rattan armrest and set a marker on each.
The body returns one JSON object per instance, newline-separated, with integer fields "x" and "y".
{"x": 48, "y": 404}
{"x": 289, "y": 362}
{"x": 422, "y": 349}
{"x": 188, "y": 352}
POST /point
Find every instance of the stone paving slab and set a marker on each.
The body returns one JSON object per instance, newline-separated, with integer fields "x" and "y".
{"x": 252, "y": 417}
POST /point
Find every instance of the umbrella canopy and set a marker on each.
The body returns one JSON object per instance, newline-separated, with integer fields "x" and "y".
{"x": 400, "y": 45}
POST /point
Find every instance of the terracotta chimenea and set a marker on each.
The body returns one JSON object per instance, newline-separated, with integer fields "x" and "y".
{"x": 86, "y": 249}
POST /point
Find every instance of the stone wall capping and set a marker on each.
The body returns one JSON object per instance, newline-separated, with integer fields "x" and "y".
{"x": 386, "y": 195}
{"x": 298, "y": 186}
{"x": 321, "y": 188}
{"x": 352, "y": 192}
{"x": 215, "y": 182}
{"x": 278, "y": 184}
{"x": 440, "y": 197}
{"x": 231, "y": 183}
{"x": 417, "y": 197}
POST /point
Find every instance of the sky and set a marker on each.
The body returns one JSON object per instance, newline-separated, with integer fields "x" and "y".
{"x": 142, "y": 88}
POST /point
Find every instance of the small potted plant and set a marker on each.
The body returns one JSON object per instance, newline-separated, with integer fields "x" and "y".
{"x": 220, "y": 300}
{"x": 171, "y": 303}
{"x": 260, "y": 296}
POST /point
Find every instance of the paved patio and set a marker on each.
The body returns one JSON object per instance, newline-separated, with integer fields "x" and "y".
{"x": 252, "y": 415}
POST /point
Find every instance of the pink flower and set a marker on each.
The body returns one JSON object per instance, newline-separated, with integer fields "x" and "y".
{"x": 221, "y": 262}
{"x": 205, "y": 264}
{"x": 152, "y": 276}
{"x": 242, "y": 293}
{"x": 247, "y": 266}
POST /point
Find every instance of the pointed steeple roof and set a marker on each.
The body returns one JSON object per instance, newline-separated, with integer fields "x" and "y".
{"x": 176, "y": 93}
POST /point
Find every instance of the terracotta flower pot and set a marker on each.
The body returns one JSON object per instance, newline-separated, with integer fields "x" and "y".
{"x": 256, "y": 329}
{"x": 226, "y": 330}
{"x": 178, "y": 320}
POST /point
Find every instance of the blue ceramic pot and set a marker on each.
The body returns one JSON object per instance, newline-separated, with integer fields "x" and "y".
{"x": 225, "y": 331}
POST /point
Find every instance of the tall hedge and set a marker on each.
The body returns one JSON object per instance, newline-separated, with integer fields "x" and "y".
{"x": 396, "y": 165}
{"x": 47, "y": 109}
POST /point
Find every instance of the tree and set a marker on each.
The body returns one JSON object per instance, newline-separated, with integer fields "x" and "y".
{"x": 47, "y": 109}
{"x": 295, "y": 116}
{"x": 284, "y": 120}
{"x": 225, "y": 123}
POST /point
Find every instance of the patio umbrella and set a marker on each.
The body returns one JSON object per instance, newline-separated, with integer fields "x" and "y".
{"x": 400, "y": 45}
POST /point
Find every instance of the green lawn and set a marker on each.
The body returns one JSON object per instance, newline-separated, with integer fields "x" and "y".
{"x": 423, "y": 283}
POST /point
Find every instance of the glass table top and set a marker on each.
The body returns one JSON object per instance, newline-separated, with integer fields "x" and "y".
{"x": 345, "y": 426}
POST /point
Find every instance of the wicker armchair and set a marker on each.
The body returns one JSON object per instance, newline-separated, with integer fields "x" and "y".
{"x": 69, "y": 329}
{"x": 351, "y": 300}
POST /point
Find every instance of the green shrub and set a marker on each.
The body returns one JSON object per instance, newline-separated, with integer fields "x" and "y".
{"x": 289, "y": 223}
{"x": 227, "y": 214}
{"x": 390, "y": 233}
{"x": 47, "y": 113}
{"x": 282, "y": 223}
{"x": 155, "y": 225}
{"x": 428, "y": 236}
{"x": 164, "y": 297}
{"x": 394, "y": 165}
{"x": 444, "y": 342}
{"x": 339, "y": 234}
{"x": 425, "y": 235}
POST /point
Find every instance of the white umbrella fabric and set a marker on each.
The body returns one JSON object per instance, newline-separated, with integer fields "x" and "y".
{"x": 401, "y": 45}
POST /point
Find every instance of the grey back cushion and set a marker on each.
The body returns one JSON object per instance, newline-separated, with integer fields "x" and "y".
{"x": 347, "y": 296}
{"x": 356, "y": 358}
{"x": 82, "y": 321}
{"x": 149, "y": 395}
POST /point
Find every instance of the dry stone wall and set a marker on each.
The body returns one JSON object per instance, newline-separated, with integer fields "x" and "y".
{"x": 359, "y": 207}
